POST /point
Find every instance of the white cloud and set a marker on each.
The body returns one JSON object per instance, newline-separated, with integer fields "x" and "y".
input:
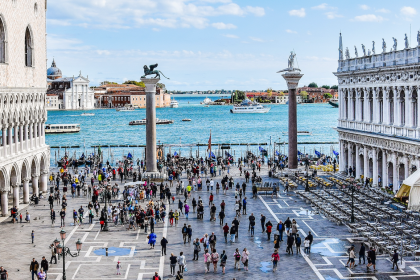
{"x": 383, "y": 10}
{"x": 107, "y": 14}
{"x": 103, "y": 52}
{"x": 257, "y": 11}
{"x": 333, "y": 15}
{"x": 369, "y": 18}
{"x": 290, "y": 31}
{"x": 55, "y": 42}
{"x": 408, "y": 11}
{"x": 298, "y": 13}
{"x": 364, "y": 7}
{"x": 231, "y": 36}
{"x": 323, "y": 6}
{"x": 221, "y": 25}
{"x": 256, "y": 39}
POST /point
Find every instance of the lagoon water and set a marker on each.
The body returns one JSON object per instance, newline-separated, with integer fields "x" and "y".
{"x": 109, "y": 127}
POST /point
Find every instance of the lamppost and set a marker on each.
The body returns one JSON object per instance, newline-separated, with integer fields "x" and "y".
{"x": 307, "y": 174}
{"x": 352, "y": 186}
{"x": 64, "y": 251}
{"x": 107, "y": 194}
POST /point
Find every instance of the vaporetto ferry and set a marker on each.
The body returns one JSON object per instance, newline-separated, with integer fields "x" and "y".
{"x": 247, "y": 106}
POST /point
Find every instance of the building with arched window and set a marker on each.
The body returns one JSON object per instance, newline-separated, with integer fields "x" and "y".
{"x": 24, "y": 156}
{"x": 379, "y": 125}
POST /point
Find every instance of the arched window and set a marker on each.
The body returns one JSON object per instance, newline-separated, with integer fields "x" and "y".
{"x": 28, "y": 48}
{"x": 2, "y": 42}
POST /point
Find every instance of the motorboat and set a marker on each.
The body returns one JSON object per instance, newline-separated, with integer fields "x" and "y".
{"x": 186, "y": 120}
{"x": 333, "y": 102}
{"x": 206, "y": 101}
{"x": 126, "y": 109}
{"x": 300, "y": 133}
{"x": 247, "y": 106}
{"x": 87, "y": 114}
{"x": 174, "y": 104}
{"x": 61, "y": 128}
{"x": 143, "y": 122}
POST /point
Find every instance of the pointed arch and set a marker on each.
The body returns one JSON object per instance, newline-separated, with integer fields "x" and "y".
{"x": 28, "y": 47}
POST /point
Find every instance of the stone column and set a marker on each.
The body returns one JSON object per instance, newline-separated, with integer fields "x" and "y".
{"x": 376, "y": 110}
{"x": 349, "y": 155}
{"x": 385, "y": 98}
{"x": 35, "y": 188}
{"x": 406, "y": 167}
{"x": 358, "y": 166}
{"x": 292, "y": 78}
{"x": 375, "y": 167}
{"x": 384, "y": 169}
{"x": 342, "y": 157}
{"x": 26, "y": 191}
{"x": 365, "y": 163}
{"x": 44, "y": 182}
{"x": 4, "y": 204}
{"x": 16, "y": 196}
{"x": 30, "y": 135}
{"x": 395, "y": 172}
{"x": 9, "y": 136}
{"x": 4, "y": 140}
{"x": 151, "y": 165}
{"x": 21, "y": 136}
{"x": 26, "y": 138}
{"x": 16, "y": 138}
{"x": 396, "y": 107}
{"x": 408, "y": 107}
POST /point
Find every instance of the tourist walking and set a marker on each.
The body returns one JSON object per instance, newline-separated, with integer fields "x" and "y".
{"x": 214, "y": 259}
{"x": 41, "y": 274}
{"x": 226, "y": 231}
{"x": 181, "y": 262}
{"x": 156, "y": 276}
{"x": 53, "y": 254}
{"x": 173, "y": 261}
{"x": 262, "y": 219}
{"x": 207, "y": 260}
{"x": 118, "y": 268}
{"x": 275, "y": 258}
{"x": 371, "y": 259}
{"x": 298, "y": 242}
{"x": 34, "y": 268}
{"x": 223, "y": 259}
{"x": 197, "y": 249}
{"x": 152, "y": 240}
{"x": 163, "y": 243}
{"x": 362, "y": 253}
{"x": 3, "y": 273}
{"x": 237, "y": 258}
{"x": 44, "y": 266}
{"x": 394, "y": 260}
{"x": 245, "y": 258}
{"x": 179, "y": 276}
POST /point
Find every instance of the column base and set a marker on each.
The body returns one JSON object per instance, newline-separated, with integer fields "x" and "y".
{"x": 152, "y": 174}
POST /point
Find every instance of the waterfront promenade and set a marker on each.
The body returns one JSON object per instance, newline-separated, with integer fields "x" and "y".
{"x": 326, "y": 260}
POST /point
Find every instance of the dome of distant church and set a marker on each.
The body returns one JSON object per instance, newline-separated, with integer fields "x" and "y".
{"x": 53, "y": 72}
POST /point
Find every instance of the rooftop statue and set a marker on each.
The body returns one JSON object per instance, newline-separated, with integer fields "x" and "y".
{"x": 395, "y": 44}
{"x": 369, "y": 53}
{"x": 152, "y": 71}
{"x": 383, "y": 45}
{"x": 373, "y": 48}
{"x": 290, "y": 63}
{"x": 406, "y": 41}
{"x": 364, "y": 50}
{"x": 355, "y": 51}
{"x": 347, "y": 53}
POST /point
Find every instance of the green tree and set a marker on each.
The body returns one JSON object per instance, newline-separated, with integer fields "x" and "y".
{"x": 313, "y": 85}
{"x": 326, "y": 87}
{"x": 108, "y": 83}
{"x": 161, "y": 85}
{"x": 334, "y": 87}
{"x": 140, "y": 84}
{"x": 239, "y": 95}
{"x": 327, "y": 95}
{"x": 304, "y": 94}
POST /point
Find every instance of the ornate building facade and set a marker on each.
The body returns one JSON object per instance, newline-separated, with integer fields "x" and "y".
{"x": 24, "y": 156}
{"x": 379, "y": 125}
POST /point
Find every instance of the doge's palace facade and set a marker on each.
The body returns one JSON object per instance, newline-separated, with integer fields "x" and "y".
{"x": 379, "y": 124}
{"x": 24, "y": 156}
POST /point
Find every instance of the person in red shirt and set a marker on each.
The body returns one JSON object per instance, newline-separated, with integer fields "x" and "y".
{"x": 268, "y": 230}
{"x": 226, "y": 231}
{"x": 211, "y": 199}
{"x": 275, "y": 258}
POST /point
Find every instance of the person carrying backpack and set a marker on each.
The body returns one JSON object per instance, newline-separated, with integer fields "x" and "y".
{"x": 215, "y": 259}
{"x": 298, "y": 242}
{"x": 275, "y": 258}
{"x": 223, "y": 259}
{"x": 237, "y": 257}
{"x": 156, "y": 277}
{"x": 184, "y": 233}
{"x": 207, "y": 260}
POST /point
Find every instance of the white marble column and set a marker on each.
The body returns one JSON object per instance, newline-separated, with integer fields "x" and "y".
{"x": 16, "y": 144}
{"x": 26, "y": 138}
{"x": 386, "y": 113}
{"x": 4, "y": 204}
{"x": 342, "y": 166}
{"x": 406, "y": 167}
{"x": 365, "y": 163}
{"x": 408, "y": 106}
{"x": 16, "y": 196}
{"x": 384, "y": 169}
{"x": 21, "y": 132}
{"x": 35, "y": 187}
{"x": 44, "y": 182}
{"x": 395, "y": 172}
{"x": 397, "y": 105}
{"x": 358, "y": 165}
{"x": 375, "y": 167}
{"x": 9, "y": 136}
{"x": 376, "y": 109}
{"x": 26, "y": 191}
{"x": 349, "y": 161}
{"x": 358, "y": 112}
{"x": 30, "y": 135}
{"x": 4, "y": 140}
{"x": 352, "y": 97}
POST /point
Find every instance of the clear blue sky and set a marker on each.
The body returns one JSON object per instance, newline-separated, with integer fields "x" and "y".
{"x": 218, "y": 44}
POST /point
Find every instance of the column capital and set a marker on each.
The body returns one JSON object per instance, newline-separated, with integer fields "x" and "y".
{"x": 150, "y": 84}
{"x": 292, "y": 78}
{"x": 25, "y": 180}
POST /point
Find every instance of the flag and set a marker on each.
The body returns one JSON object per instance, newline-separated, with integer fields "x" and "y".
{"x": 175, "y": 154}
{"x": 211, "y": 155}
{"x": 227, "y": 154}
{"x": 299, "y": 153}
{"x": 209, "y": 146}
{"x": 277, "y": 153}
{"x": 317, "y": 153}
{"x": 335, "y": 153}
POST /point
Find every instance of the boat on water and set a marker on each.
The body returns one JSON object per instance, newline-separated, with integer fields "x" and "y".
{"x": 206, "y": 101}
{"x": 186, "y": 120}
{"x": 333, "y": 102}
{"x": 126, "y": 109}
{"x": 174, "y": 104}
{"x": 87, "y": 114}
{"x": 61, "y": 128}
{"x": 143, "y": 122}
{"x": 300, "y": 133}
{"x": 247, "y": 106}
